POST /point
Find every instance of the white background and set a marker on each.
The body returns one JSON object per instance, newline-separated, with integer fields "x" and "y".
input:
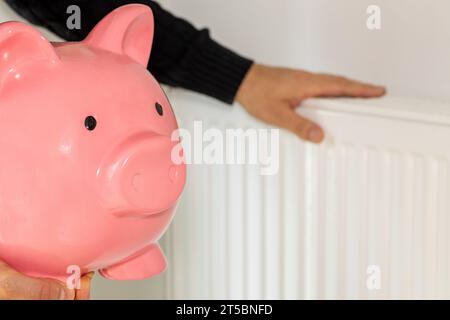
{"x": 410, "y": 54}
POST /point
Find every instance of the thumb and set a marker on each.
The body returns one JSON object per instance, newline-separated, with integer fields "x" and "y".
{"x": 287, "y": 118}
{"x": 16, "y": 286}
{"x": 85, "y": 290}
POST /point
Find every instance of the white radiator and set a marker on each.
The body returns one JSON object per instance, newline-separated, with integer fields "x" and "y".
{"x": 375, "y": 197}
{"x": 365, "y": 215}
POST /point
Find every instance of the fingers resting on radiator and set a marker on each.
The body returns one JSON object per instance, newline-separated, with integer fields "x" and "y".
{"x": 272, "y": 94}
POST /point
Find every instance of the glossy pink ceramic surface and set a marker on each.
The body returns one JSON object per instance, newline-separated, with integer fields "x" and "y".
{"x": 71, "y": 194}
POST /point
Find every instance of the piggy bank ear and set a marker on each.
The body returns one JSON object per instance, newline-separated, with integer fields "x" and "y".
{"x": 128, "y": 30}
{"x": 22, "y": 45}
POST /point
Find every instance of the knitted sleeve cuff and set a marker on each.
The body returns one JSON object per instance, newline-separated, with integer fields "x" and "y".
{"x": 212, "y": 69}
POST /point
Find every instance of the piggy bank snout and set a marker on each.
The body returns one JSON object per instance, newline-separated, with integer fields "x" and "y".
{"x": 141, "y": 179}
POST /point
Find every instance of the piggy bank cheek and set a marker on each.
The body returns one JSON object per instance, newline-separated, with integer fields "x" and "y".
{"x": 139, "y": 177}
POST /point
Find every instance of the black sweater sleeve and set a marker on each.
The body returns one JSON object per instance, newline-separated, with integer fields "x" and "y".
{"x": 182, "y": 56}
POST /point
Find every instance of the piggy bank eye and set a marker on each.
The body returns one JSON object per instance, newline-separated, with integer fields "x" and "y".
{"x": 90, "y": 123}
{"x": 159, "y": 109}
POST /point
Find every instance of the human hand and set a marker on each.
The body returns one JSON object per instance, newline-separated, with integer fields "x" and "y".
{"x": 84, "y": 292}
{"x": 16, "y": 286}
{"x": 272, "y": 94}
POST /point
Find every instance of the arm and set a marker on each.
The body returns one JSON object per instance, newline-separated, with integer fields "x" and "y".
{"x": 189, "y": 58}
{"x": 182, "y": 56}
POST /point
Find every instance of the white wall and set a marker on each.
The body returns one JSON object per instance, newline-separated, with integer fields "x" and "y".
{"x": 7, "y": 14}
{"x": 409, "y": 54}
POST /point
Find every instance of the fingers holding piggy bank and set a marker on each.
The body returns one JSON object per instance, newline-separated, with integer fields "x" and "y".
{"x": 86, "y": 174}
{"x": 16, "y": 286}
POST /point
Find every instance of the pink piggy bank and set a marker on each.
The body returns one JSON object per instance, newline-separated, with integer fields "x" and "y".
{"x": 87, "y": 178}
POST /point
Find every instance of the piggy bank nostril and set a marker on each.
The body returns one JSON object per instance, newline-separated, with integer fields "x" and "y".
{"x": 140, "y": 175}
{"x": 136, "y": 182}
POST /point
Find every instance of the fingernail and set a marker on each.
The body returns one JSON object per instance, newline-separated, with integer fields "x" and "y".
{"x": 315, "y": 135}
